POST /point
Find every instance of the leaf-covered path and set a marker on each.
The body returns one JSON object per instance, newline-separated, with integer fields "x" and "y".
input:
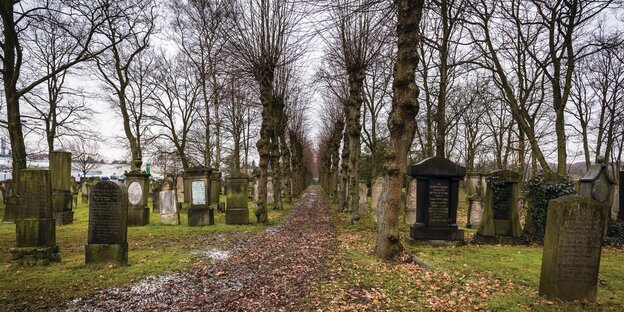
{"x": 272, "y": 271}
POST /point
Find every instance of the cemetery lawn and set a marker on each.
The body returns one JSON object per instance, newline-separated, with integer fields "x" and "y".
{"x": 464, "y": 278}
{"x": 152, "y": 250}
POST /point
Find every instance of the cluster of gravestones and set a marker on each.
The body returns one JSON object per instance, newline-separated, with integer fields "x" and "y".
{"x": 48, "y": 196}
{"x": 575, "y": 227}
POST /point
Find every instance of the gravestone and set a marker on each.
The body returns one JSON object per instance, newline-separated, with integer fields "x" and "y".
{"x": 86, "y": 191}
{"x": 255, "y": 192}
{"x": 472, "y": 182}
{"x": 437, "y": 187}
{"x": 138, "y": 186}
{"x": 410, "y": 205}
{"x": 108, "y": 228}
{"x": 169, "y": 212}
{"x": 11, "y": 203}
{"x": 597, "y": 183}
{"x": 572, "y": 247}
{"x": 60, "y": 171}
{"x": 475, "y": 205}
{"x": 215, "y": 189}
{"x": 363, "y": 196}
{"x": 74, "y": 202}
{"x": 35, "y": 239}
{"x": 200, "y": 212}
{"x": 500, "y": 214}
{"x": 270, "y": 197}
{"x": 180, "y": 189}
{"x": 236, "y": 211}
{"x": 157, "y": 186}
{"x": 378, "y": 186}
{"x": 620, "y": 213}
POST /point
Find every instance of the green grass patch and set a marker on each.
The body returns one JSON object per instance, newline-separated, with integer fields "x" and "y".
{"x": 153, "y": 249}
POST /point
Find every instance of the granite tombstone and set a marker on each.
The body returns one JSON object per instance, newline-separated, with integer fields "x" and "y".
{"x": 200, "y": 212}
{"x": 60, "y": 170}
{"x": 236, "y": 211}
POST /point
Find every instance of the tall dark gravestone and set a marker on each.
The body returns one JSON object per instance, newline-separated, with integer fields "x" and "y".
{"x": 237, "y": 211}
{"x": 60, "y": 170}
{"x": 437, "y": 187}
{"x": 200, "y": 212}
{"x": 108, "y": 228}
{"x": 157, "y": 186}
{"x": 215, "y": 188}
{"x": 10, "y": 199}
{"x": 138, "y": 186}
{"x": 572, "y": 247}
{"x": 35, "y": 240}
{"x": 500, "y": 214}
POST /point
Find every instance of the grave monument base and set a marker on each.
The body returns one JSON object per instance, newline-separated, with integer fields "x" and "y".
{"x": 200, "y": 216}
{"x": 138, "y": 217}
{"x": 106, "y": 253}
{"x": 498, "y": 240}
{"x": 35, "y": 255}
{"x": 63, "y": 218}
{"x": 169, "y": 219}
{"x": 424, "y": 233}
{"x": 237, "y": 216}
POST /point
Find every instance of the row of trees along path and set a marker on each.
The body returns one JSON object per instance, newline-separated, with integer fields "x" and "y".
{"x": 272, "y": 271}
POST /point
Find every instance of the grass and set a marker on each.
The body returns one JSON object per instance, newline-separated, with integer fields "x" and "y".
{"x": 154, "y": 249}
{"x": 494, "y": 278}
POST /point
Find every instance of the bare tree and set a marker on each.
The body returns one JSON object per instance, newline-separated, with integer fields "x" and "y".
{"x": 85, "y": 155}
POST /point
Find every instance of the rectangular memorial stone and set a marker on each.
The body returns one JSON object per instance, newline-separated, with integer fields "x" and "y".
{"x": 410, "y": 206}
{"x": 198, "y": 192}
{"x": 237, "y": 211}
{"x": 572, "y": 248}
{"x": 375, "y": 195}
{"x": 138, "y": 185}
{"x": 107, "y": 234}
{"x": 363, "y": 196}
{"x": 200, "y": 212}
{"x": 169, "y": 213}
{"x": 60, "y": 171}
{"x": 438, "y": 212}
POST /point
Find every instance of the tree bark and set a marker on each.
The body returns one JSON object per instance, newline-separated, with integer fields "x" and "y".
{"x": 354, "y": 106}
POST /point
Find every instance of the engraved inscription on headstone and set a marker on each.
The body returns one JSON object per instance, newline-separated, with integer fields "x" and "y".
{"x": 135, "y": 193}
{"x": 168, "y": 202}
{"x": 501, "y": 202}
{"x": 476, "y": 212}
{"x": 198, "y": 192}
{"x": 438, "y": 213}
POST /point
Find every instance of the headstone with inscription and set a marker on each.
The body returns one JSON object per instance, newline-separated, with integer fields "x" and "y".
{"x": 215, "y": 188}
{"x": 108, "y": 231}
{"x": 500, "y": 214}
{"x": 572, "y": 248}
{"x": 437, "y": 187}
{"x": 169, "y": 212}
{"x": 363, "y": 196}
{"x": 378, "y": 187}
{"x": 410, "y": 205}
{"x": 138, "y": 186}
{"x": 474, "y": 197}
{"x": 11, "y": 204}
{"x": 200, "y": 212}
{"x": 35, "y": 229}
{"x": 60, "y": 171}
{"x": 236, "y": 211}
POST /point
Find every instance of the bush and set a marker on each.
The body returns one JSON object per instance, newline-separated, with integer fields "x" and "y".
{"x": 539, "y": 192}
{"x": 615, "y": 233}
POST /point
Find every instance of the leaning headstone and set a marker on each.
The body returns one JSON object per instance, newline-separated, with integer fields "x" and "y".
{"x": 35, "y": 239}
{"x": 437, "y": 187}
{"x": 363, "y": 196}
{"x": 11, "y": 207}
{"x": 108, "y": 231}
{"x": 237, "y": 211}
{"x": 572, "y": 247}
{"x": 200, "y": 212}
{"x": 375, "y": 194}
{"x": 169, "y": 212}
{"x": 60, "y": 171}
{"x": 410, "y": 206}
{"x": 138, "y": 211}
{"x": 500, "y": 214}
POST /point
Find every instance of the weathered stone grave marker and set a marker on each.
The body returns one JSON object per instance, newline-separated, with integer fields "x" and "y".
{"x": 35, "y": 239}
{"x": 138, "y": 186}
{"x": 363, "y": 196}
{"x": 200, "y": 213}
{"x": 215, "y": 189}
{"x": 410, "y": 205}
{"x": 437, "y": 185}
{"x": 500, "y": 214}
{"x": 475, "y": 200}
{"x": 157, "y": 186}
{"x": 60, "y": 171}
{"x": 10, "y": 199}
{"x": 236, "y": 211}
{"x": 108, "y": 231}
{"x": 572, "y": 247}
{"x": 597, "y": 183}
{"x": 169, "y": 212}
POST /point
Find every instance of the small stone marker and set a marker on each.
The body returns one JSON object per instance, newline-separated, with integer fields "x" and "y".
{"x": 237, "y": 211}
{"x": 60, "y": 170}
{"x": 410, "y": 205}
{"x": 108, "y": 232}
{"x": 138, "y": 186}
{"x": 572, "y": 247}
{"x": 200, "y": 213}
{"x": 437, "y": 184}
{"x": 169, "y": 213}
{"x": 500, "y": 214}
{"x": 363, "y": 196}
{"x": 35, "y": 240}
{"x": 378, "y": 186}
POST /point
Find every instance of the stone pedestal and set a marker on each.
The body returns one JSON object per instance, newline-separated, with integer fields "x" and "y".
{"x": 35, "y": 227}
{"x": 237, "y": 201}
{"x": 138, "y": 211}
{"x": 200, "y": 213}
{"x": 572, "y": 248}
{"x": 108, "y": 233}
{"x": 437, "y": 188}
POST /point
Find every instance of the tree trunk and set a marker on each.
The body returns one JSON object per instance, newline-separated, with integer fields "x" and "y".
{"x": 344, "y": 174}
{"x": 402, "y": 126}
{"x": 356, "y": 90}
{"x": 264, "y": 146}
